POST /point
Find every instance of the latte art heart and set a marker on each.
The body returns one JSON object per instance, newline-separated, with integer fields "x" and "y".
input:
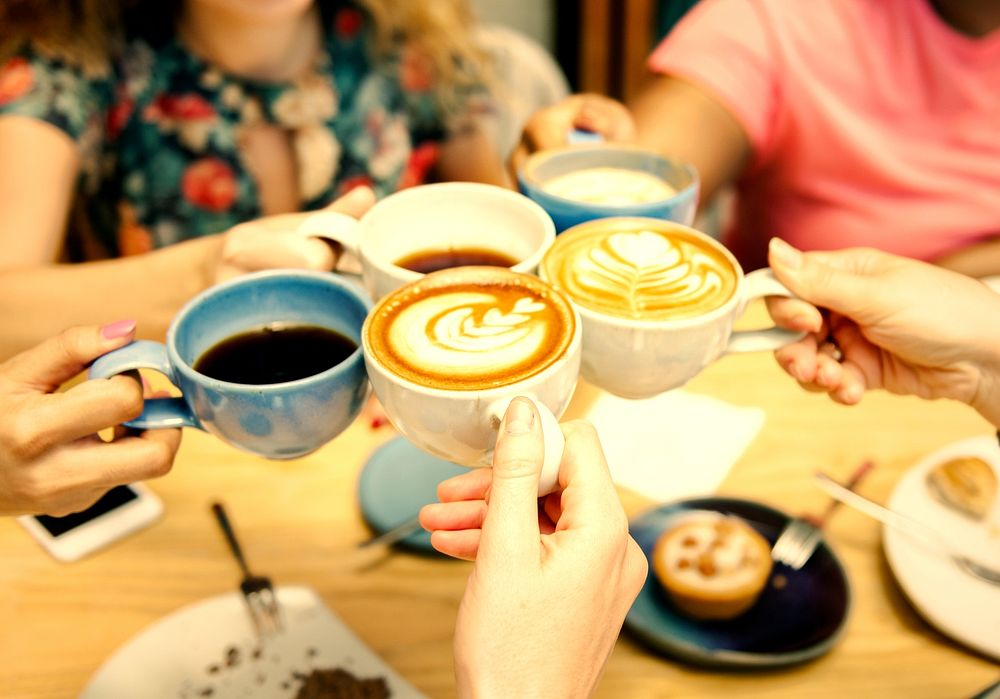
{"x": 471, "y": 336}
{"x": 640, "y": 274}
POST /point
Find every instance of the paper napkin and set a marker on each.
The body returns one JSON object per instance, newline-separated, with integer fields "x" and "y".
{"x": 674, "y": 445}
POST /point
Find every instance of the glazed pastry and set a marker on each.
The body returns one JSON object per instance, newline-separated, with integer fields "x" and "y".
{"x": 967, "y": 484}
{"x": 712, "y": 566}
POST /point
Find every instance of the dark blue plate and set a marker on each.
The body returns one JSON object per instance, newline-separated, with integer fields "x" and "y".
{"x": 790, "y": 622}
{"x": 396, "y": 481}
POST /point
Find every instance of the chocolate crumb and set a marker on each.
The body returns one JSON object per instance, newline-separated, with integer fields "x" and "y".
{"x": 206, "y": 692}
{"x": 232, "y": 656}
{"x": 257, "y": 653}
{"x": 213, "y": 669}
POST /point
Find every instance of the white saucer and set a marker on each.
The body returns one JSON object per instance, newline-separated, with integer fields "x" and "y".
{"x": 958, "y": 604}
{"x": 184, "y": 655}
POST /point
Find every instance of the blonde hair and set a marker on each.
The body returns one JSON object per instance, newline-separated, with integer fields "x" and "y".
{"x": 81, "y": 32}
{"x": 441, "y": 30}
{"x": 86, "y": 32}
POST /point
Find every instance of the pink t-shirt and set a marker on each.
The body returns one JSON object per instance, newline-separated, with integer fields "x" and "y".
{"x": 872, "y": 122}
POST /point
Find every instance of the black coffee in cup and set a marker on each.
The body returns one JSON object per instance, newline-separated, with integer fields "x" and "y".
{"x": 275, "y": 353}
{"x": 427, "y": 261}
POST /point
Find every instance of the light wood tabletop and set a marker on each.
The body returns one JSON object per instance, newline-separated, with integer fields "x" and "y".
{"x": 300, "y": 523}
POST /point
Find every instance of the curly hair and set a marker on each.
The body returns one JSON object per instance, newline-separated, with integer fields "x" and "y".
{"x": 87, "y": 32}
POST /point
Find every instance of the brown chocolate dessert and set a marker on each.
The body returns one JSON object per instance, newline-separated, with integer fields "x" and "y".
{"x": 336, "y": 683}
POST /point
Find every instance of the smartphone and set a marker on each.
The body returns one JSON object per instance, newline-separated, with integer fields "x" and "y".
{"x": 120, "y": 512}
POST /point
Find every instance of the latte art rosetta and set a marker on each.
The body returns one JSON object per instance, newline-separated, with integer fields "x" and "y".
{"x": 469, "y": 333}
{"x": 641, "y": 274}
{"x": 472, "y": 336}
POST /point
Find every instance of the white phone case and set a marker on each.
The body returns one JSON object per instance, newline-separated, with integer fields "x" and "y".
{"x": 104, "y": 529}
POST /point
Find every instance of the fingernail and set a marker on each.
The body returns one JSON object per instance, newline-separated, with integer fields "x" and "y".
{"x": 785, "y": 253}
{"x": 520, "y": 417}
{"x": 121, "y": 328}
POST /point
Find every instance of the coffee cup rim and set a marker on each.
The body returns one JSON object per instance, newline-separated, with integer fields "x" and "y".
{"x": 523, "y": 266}
{"x": 574, "y": 347}
{"x": 526, "y": 175}
{"x": 184, "y": 367}
{"x": 648, "y": 324}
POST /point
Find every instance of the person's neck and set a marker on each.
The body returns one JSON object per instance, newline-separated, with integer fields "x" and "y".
{"x": 971, "y": 17}
{"x": 270, "y": 51}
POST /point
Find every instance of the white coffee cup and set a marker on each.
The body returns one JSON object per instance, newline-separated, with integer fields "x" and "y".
{"x": 445, "y": 216}
{"x": 462, "y": 425}
{"x": 640, "y": 358}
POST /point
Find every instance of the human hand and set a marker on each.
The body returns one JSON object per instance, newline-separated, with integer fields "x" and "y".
{"x": 271, "y": 242}
{"x": 51, "y": 459}
{"x": 895, "y": 323}
{"x": 550, "y": 127}
{"x": 551, "y": 585}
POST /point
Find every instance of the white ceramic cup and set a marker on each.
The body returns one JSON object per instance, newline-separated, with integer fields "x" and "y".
{"x": 436, "y": 217}
{"x": 461, "y": 426}
{"x": 643, "y": 358}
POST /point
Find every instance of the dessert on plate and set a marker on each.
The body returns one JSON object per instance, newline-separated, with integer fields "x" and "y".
{"x": 966, "y": 484}
{"x": 712, "y": 566}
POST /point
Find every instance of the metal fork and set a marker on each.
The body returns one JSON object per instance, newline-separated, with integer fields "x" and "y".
{"x": 908, "y": 525}
{"x": 258, "y": 592}
{"x": 800, "y": 537}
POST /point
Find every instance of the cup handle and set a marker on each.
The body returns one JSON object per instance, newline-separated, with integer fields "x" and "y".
{"x": 333, "y": 226}
{"x": 758, "y": 284}
{"x": 157, "y": 413}
{"x": 552, "y": 437}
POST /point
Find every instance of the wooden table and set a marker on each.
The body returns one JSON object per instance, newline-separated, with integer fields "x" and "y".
{"x": 300, "y": 524}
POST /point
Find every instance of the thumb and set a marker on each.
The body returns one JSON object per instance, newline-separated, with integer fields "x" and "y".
{"x": 510, "y": 531}
{"x": 844, "y": 281}
{"x": 60, "y": 358}
{"x": 355, "y": 203}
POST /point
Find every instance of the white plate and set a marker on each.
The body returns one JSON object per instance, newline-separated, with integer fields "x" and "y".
{"x": 958, "y": 604}
{"x": 184, "y": 655}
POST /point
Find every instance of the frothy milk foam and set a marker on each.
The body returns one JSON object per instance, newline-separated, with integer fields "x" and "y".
{"x": 635, "y": 272}
{"x": 471, "y": 328}
{"x": 609, "y": 185}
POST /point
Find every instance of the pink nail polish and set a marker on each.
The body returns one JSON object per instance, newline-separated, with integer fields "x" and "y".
{"x": 120, "y": 328}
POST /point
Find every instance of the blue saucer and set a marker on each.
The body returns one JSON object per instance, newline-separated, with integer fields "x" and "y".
{"x": 788, "y": 624}
{"x": 396, "y": 482}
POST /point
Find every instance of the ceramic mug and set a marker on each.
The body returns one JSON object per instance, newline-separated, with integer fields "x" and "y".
{"x": 436, "y": 217}
{"x": 478, "y": 310}
{"x": 278, "y": 420}
{"x": 691, "y": 288}
{"x": 677, "y": 202}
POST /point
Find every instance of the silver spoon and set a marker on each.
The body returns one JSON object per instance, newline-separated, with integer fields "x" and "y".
{"x": 911, "y": 526}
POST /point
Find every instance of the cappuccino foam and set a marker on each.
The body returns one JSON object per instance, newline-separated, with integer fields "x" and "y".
{"x": 470, "y": 328}
{"x": 628, "y": 269}
{"x": 615, "y": 186}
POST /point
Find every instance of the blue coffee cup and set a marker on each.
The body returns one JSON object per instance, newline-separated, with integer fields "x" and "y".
{"x": 565, "y": 212}
{"x": 277, "y": 420}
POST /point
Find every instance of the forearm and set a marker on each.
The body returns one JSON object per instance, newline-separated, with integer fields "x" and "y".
{"x": 979, "y": 260}
{"x": 38, "y": 302}
{"x": 683, "y": 121}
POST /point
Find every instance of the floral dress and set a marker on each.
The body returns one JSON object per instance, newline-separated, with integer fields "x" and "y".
{"x": 158, "y": 133}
